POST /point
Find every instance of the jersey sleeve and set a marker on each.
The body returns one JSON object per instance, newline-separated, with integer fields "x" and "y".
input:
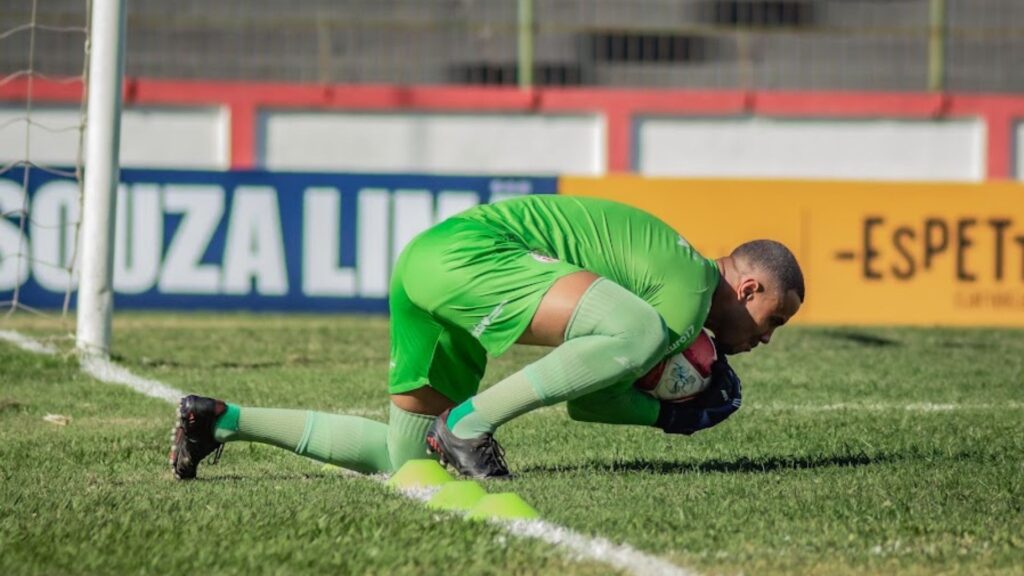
{"x": 619, "y": 404}
{"x": 683, "y": 298}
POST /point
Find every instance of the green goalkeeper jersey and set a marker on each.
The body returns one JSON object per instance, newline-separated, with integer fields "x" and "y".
{"x": 625, "y": 244}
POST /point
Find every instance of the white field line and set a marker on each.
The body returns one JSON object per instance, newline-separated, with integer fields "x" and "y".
{"x": 620, "y": 556}
{"x": 887, "y": 406}
{"x": 913, "y": 407}
{"x": 578, "y": 546}
{"x": 625, "y": 558}
{"x": 106, "y": 371}
{"x": 26, "y": 343}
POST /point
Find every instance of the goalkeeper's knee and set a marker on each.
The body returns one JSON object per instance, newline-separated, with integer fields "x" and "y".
{"x": 638, "y": 335}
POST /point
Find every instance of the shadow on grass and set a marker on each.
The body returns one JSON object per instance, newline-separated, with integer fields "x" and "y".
{"x": 11, "y": 405}
{"x": 862, "y": 338}
{"x": 255, "y": 477}
{"x": 741, "y": 465}
{"x": 229, "y": 365}
{"x": 964, "y": 345}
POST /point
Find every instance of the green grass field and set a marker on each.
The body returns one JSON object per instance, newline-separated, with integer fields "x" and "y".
{"x": 857, "y": 451}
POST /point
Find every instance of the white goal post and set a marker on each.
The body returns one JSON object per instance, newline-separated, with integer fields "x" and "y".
{"x": 102, "y": 168}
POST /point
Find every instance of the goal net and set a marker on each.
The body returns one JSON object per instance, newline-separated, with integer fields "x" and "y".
{"x": 56, "y": 216}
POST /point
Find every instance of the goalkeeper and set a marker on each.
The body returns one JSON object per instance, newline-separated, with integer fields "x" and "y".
{"x": 612, "y": 289}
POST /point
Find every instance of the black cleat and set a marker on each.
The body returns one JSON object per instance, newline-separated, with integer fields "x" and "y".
{"x": 192, "y": 438}
{"x": 477, "y": 458}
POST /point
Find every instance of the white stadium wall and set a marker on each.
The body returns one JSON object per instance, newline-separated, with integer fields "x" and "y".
{"x": 184, "y": 138}
{"x": 434, "y": 143}
{"x": 948, "y": 136}
{"x": 494, "y": 143}
{"x": 1018, "y": 148}
{"x": 814, "y": 149}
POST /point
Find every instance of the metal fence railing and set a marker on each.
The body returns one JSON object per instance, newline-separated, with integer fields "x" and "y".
{"x": 959, "y": 45}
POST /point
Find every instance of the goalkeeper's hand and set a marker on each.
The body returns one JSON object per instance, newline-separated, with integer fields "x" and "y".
{"x": 722, "y": 397}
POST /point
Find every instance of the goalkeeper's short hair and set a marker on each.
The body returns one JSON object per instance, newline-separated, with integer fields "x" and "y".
{"x": 775, "y": 259}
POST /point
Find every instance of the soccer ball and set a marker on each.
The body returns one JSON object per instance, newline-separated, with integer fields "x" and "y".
{"x": 683, "y": 375}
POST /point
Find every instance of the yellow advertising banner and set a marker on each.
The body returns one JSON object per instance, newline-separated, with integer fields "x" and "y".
{"x": 872, "y": 252}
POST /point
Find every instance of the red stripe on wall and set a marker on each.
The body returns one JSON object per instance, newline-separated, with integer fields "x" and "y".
{"x": 847, "y": 104}
{"x": 620, "y": 107}
{"x": 1001, "y": 114}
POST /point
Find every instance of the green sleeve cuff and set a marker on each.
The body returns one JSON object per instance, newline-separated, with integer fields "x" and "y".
{"x": 624, "y": 405}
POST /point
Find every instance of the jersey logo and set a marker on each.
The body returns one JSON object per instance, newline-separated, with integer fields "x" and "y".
{"x": 682, "y": 338}
{"x": 486, "y": 321}
{"x": 542, "y": 258}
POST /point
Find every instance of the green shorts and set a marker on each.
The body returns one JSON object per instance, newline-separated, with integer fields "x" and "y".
{"x": 461, "y": 291}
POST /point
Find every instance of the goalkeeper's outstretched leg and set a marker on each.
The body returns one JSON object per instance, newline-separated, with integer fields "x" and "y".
{"x": 204, "y": 425}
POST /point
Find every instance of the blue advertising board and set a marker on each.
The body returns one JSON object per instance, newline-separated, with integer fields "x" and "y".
{"x": 245, "y": 240}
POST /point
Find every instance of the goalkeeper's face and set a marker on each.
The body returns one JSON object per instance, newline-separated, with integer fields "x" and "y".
{"x": 758, "y": 311}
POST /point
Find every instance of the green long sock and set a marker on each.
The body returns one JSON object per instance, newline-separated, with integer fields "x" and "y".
{"x": 612, "y": 335}
{"x": 406, "y": 434}
{"x": 348, "y": 441}
{"x": 351, "y": 442}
